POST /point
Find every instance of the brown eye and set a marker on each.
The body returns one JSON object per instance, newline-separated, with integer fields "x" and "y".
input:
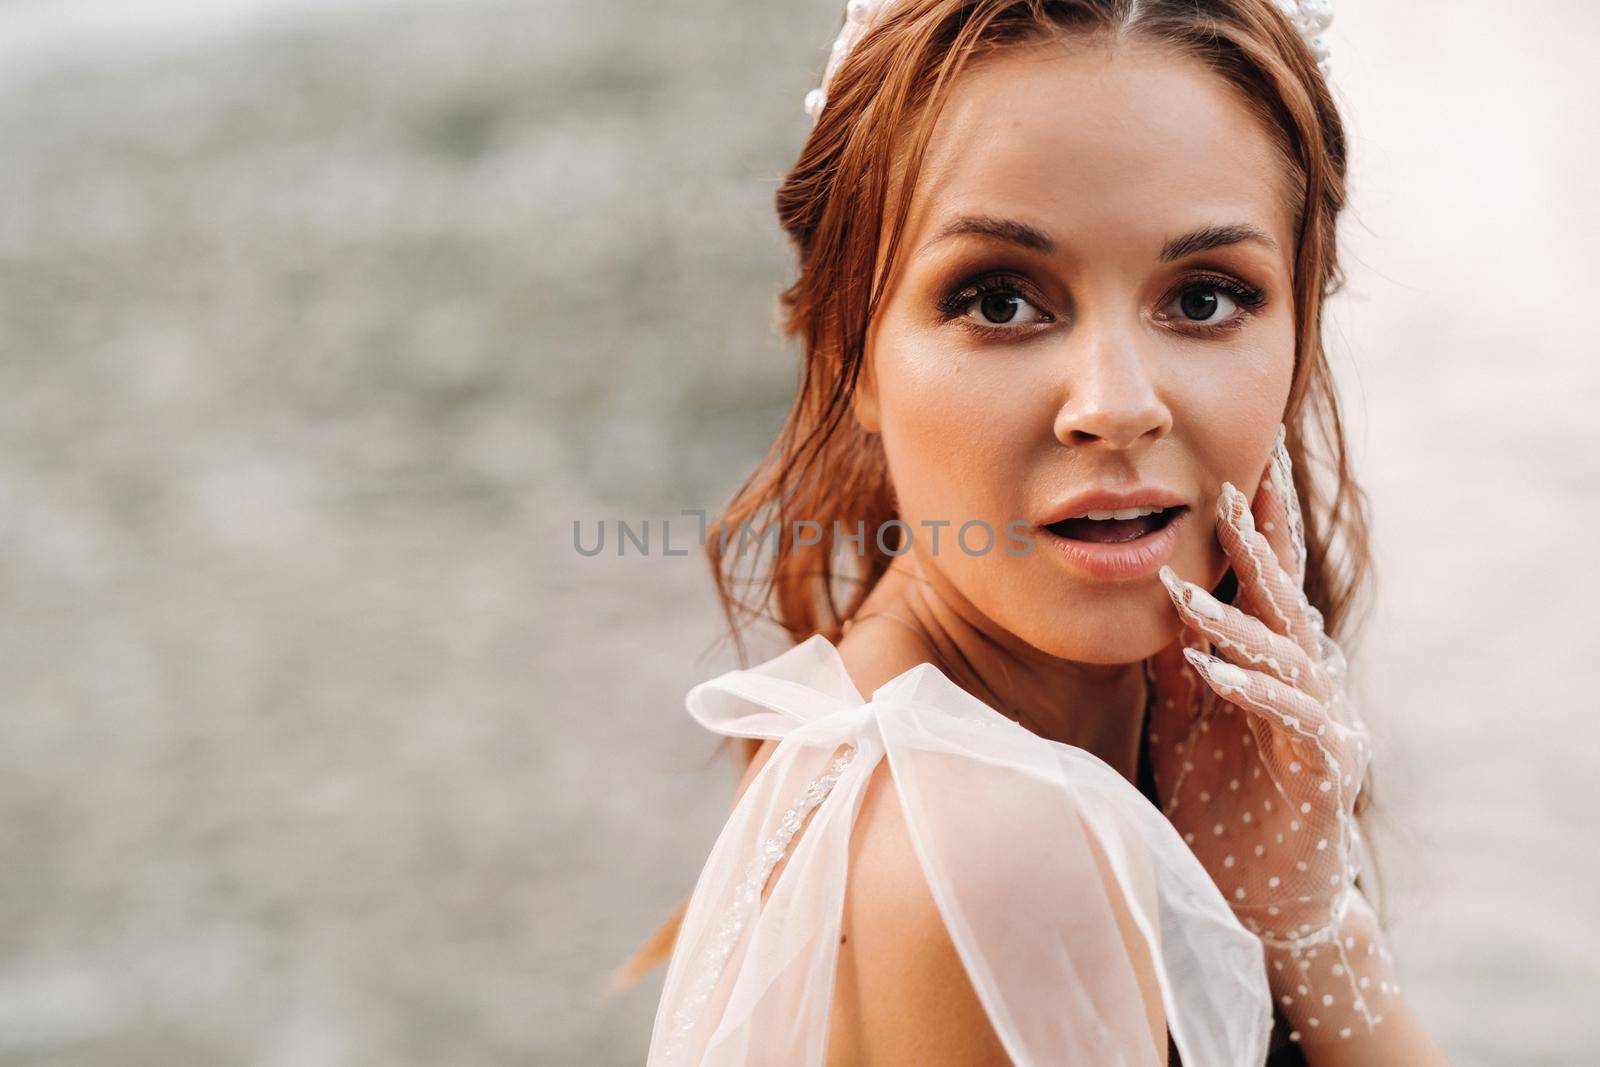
{"x": 994, "y": 304}
{"x": 999, "y": 307}
{"x": 1201, "y": 304}
{"x": 1212, "y": 303}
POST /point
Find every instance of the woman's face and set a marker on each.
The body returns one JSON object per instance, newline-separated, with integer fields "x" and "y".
{"x": 1093, "y": 292}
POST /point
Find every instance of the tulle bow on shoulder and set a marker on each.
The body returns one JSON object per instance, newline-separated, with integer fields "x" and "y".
{"x": 1030, "y": 848}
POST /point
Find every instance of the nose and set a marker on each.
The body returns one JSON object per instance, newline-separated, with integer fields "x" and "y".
{"x": 1111, "y": 394}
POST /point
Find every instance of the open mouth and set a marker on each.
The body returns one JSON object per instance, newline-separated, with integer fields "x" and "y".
{"x": 1115, "y": 527}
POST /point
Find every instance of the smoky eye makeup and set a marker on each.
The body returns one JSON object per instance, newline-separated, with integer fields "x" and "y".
{"x": 993, "y": 303}
{"x": 1196, "y": 299}
{"x": 1004, "y": 303}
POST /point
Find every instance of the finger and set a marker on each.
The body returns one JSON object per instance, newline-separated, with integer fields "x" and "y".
{"x": 1284, "y": 706}
{"x": 1277, "y": 511}
{"x": 1287, "y": 726}
{"x": 1265, "y": 589}
{"x": 1243, "y": 639}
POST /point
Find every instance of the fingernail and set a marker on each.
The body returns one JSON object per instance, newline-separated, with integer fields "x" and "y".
{"x": 1238, "y": 507}
{"x": 1226, "y": 496}
{"x": 1193, "y": 596}
{"x": 1202, "y": 602}
{"x": 1224, "y": 675}
{"x": 1170, "y": 579}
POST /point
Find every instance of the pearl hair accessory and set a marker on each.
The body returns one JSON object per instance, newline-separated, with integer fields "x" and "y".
{"x": 1309, "y": 17}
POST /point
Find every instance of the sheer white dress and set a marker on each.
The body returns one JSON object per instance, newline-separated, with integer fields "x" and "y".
{"x": 1001, "y": 822}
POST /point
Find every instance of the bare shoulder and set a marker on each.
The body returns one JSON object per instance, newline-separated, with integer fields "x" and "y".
{"x": 877, "y": 649}
{"x": 902, "y": 994}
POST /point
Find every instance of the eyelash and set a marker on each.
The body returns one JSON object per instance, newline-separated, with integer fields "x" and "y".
{"x": 954, "y": 306}
{"x": 1248, "y": 297}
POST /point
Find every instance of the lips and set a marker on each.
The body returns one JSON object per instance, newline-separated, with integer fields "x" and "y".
{"x": 1111, "y": 531}
{"x": 1116, "y": 534}
{"x": 1144, "y": 497}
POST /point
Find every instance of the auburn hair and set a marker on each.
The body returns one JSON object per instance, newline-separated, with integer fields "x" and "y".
{"x": 843, "y": 205}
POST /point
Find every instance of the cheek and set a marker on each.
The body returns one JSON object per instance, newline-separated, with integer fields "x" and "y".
{"x": 1231, "y": 389}
{"x": 956, "y": 432}
{"x": 1229, "y": 418}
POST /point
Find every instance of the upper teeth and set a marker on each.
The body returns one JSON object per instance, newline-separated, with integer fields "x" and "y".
{"x": 1120, "y": 513}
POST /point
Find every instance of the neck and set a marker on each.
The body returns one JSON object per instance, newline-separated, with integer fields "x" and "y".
{"x": 1098, "y": 707}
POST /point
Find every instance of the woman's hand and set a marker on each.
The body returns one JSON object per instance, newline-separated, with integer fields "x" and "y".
{"x": 1258, "y": 758}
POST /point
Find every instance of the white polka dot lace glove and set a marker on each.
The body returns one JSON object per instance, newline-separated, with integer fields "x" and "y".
{"x": 1258, "y": 758}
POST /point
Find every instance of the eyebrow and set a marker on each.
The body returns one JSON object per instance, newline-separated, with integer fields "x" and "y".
{"x": 1014, "y": 231}
{"x": 1214, "y": 237}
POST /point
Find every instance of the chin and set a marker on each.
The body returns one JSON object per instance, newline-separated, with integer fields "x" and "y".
{"x": 1124, "y": 629}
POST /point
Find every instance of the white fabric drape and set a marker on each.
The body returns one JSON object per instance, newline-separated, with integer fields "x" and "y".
{"x": 1002, "y": 822}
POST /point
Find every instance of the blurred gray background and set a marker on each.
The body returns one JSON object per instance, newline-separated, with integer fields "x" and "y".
{"x": 321, "y": 322}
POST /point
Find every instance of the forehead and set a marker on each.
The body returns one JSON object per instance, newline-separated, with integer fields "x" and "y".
{"x": 1129, "y": 146}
